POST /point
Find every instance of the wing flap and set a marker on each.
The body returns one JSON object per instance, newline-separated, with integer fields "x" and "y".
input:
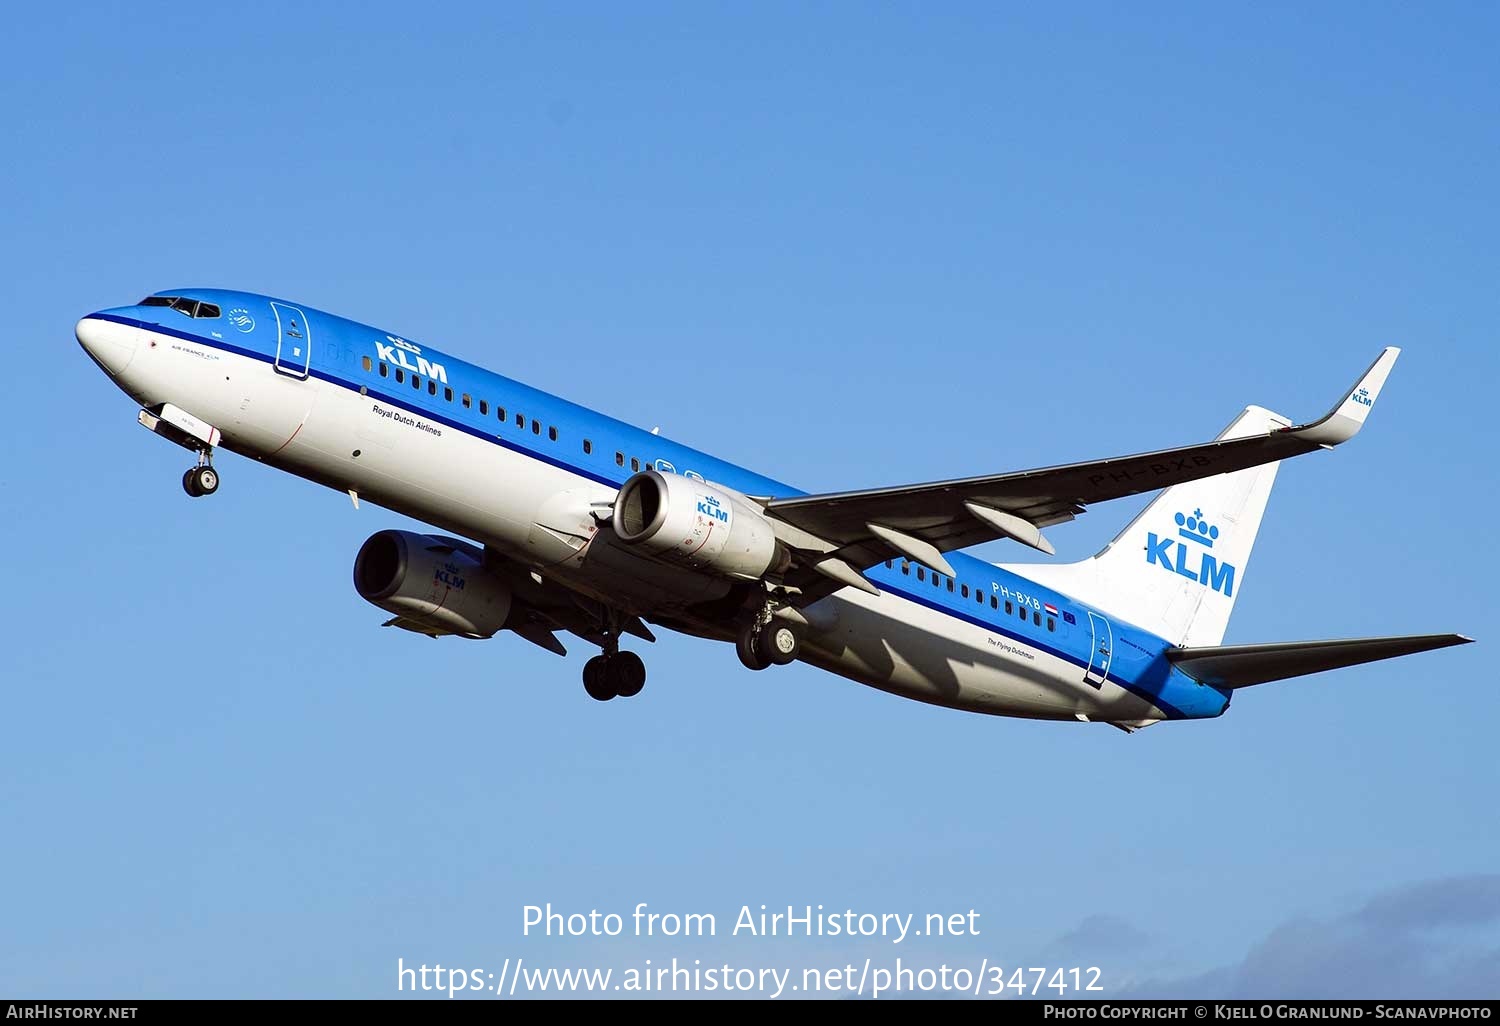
{"x": 1240, "y": 666}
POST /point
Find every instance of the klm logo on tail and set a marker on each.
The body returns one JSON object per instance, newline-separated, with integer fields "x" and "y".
{"x": 1196, "y": 529}
{"x": 1363, "y": 397}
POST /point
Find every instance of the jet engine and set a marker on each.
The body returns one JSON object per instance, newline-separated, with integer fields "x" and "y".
{"x": 433, "y": 585}
{"x": 706, "y": 527}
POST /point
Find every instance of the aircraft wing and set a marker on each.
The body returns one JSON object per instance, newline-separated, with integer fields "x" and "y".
{"x": 922, "y": 521}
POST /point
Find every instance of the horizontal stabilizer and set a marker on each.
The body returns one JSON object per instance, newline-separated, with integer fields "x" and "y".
{"x": 1239, "y": 666}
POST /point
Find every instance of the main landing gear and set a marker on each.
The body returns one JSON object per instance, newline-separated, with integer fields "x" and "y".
{"x": 202, "y": 479}
{"x": 767, "y": 642}
{"x": 613, "y": 673}
{"x": 621, "y": 675}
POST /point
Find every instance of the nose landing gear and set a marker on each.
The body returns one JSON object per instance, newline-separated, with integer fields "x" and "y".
{"x": 180, "y": 427}
{"x": 202, "y": 479}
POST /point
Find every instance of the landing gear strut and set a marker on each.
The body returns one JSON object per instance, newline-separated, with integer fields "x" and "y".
{"x": 202, "y": 479}
{"x": 613, "y": 673}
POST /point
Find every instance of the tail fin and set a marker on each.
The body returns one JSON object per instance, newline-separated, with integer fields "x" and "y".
{"x": 1177, "y": 568}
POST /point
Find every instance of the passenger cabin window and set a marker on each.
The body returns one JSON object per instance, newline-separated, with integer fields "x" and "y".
{"x": 484, "y": 408}
{"x": 950, "y": 587}
{"x": 635, "y": 464}
{"x": 552, "y": 434}
{"x": 468, "y": 403}
{"x": 619, "y": 459}
{"x": 588, "y": 446}
{"x": 384, "y": 370}
{"x": 520, "y": 421}
{"x": 500, "y": 413}
{"x": 905, "y": 567}
{"x": 1036, "y": 618}
{"x": 536, "y": 427}
{"x": 995, "y": 603}
{"x": 1008, "y": 610}
{"x": 431, "y": 387}
{"x": 366, "y": 361}
{"x": 1051, "y": 624}
{"x": 964, "y": 591}
{"x": 400, "y": 376}
{"x": 921, "y": 574}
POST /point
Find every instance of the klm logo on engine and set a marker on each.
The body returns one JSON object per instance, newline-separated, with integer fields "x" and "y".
{"x": 448, "y": 574}
{"x": 709, "y": 507}
{"x": 396, "y": 353}
{"x": 1207, "y": 570}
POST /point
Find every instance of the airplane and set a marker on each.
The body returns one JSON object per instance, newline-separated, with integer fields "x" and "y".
{"x": 552, "y": 518}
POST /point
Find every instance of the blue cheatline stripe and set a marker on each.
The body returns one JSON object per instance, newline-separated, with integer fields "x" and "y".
{"x": 1067, "y": 657}
{"x": 572, "y": 468}
{"x": 386, "y": 397}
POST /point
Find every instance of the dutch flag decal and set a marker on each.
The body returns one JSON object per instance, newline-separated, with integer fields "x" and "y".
{"x": 1050, "y": 608}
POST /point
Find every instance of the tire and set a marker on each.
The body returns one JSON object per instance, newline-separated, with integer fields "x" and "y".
{"x": 190, "y": 482}
{"x": 596, "y": 679}
{"x": 749, "y": 652}
{"x": 626, "y": 674}
{"x": 207, "y": 480}
{"x": 777, "y": 644}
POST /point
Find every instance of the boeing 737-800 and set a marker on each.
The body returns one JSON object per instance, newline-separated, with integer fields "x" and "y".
{"x": 559, "y": 519}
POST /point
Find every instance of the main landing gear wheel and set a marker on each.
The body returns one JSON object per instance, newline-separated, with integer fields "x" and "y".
{"x": 777, "y": 643}
{"x": 595, "y": 679}
{"x": 749, "y": 652}
{"x": 200, "y": 481}
{"x": 626, "y": 674}
{"x": 621, "y": 675}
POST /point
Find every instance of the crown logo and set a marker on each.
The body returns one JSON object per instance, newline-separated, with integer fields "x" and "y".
{"x": 1196, "y": 528}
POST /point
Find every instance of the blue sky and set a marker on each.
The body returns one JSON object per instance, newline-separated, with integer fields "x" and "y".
{"x": 846, "y": 245}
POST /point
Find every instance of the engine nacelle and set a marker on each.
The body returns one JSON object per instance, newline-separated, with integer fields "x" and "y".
{"x": 703, "y": 526}
{"x": 433, "y": 585}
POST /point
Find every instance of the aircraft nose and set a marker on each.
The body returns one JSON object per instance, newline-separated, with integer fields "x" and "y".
{"x": 110, "y": 344}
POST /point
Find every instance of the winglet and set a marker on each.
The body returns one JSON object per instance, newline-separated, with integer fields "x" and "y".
{"x": 1344, "y": 421}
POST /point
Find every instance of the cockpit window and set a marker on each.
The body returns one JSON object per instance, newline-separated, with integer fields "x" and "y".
{"x": 190, "y": 307}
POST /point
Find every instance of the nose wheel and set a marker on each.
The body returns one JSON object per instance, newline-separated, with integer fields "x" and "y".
{"x": 201, "y": 479}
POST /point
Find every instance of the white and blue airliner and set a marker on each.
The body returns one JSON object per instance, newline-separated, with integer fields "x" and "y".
{"x": 556, "y": 519}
